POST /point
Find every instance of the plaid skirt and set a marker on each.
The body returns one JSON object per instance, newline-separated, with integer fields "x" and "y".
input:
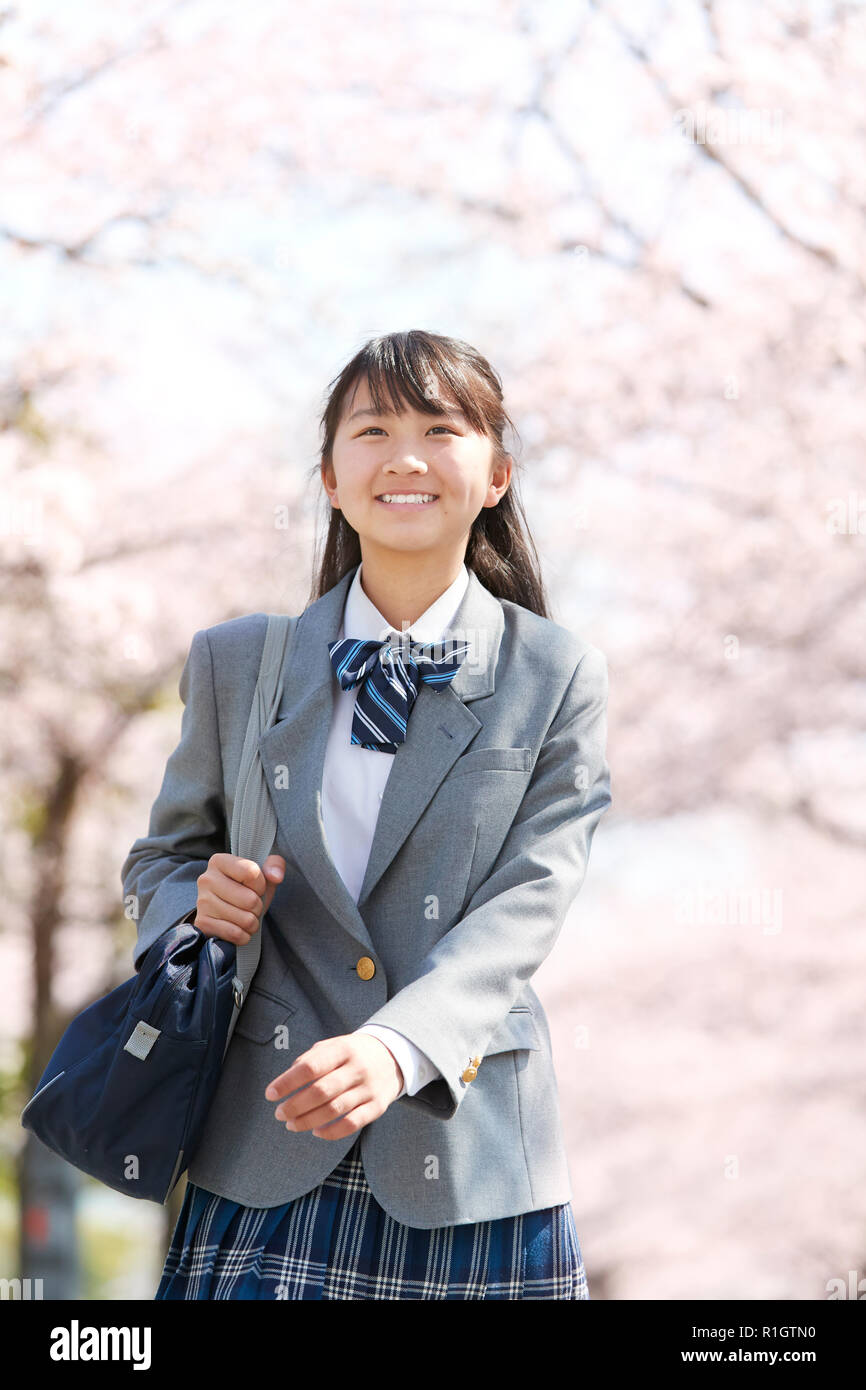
{"x": 336, "y": 1242}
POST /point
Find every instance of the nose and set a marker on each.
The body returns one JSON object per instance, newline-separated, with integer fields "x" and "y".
{"x": 407, "y": 462}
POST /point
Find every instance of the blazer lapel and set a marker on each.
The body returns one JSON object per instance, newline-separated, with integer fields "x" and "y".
{"x": 439, "y": 729}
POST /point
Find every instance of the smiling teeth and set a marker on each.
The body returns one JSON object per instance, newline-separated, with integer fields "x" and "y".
{"x": 406, "y": 499}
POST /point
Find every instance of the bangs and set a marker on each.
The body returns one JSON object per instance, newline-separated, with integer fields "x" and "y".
{"x": 413, "y": 374}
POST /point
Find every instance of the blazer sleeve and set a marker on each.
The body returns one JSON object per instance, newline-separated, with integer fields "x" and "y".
{"x": 473, "y": 975}
{"x": 188, "y": 818}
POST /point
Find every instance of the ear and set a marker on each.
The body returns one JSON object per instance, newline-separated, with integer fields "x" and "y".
{"x": 501, "y": 476}
{"x": 329, "y": 483}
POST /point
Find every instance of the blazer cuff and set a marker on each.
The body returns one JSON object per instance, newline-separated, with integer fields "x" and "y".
{"x": 169, "y": 906}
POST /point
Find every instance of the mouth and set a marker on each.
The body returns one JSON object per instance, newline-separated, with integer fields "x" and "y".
{"x": 408, "y": 501}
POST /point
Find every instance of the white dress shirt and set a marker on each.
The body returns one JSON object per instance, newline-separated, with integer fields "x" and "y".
{"x": 353, "y": 784}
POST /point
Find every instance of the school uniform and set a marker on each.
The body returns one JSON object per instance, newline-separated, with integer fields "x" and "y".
{"x": 423, "y": 888}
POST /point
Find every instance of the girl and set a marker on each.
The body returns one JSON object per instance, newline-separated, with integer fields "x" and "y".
{"x": 444, "y": 742}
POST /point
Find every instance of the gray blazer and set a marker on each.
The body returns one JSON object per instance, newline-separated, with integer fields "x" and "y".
{"x": 480, "y": 848}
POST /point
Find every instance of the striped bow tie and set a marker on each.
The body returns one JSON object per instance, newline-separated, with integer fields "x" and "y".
{"x": 388, "y": 675}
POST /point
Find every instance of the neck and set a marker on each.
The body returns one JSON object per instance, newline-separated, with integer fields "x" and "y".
{"x": 402, "y": 585}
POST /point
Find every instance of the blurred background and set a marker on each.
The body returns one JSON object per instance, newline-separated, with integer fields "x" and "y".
{"x": 650, "y": 218}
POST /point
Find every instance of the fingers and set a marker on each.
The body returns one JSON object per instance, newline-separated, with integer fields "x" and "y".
{"x": 212, "y": 926}
{"x": 349, "y": 1124}
{"x": 242, "y": 872}
{"x": 346, "y": 1112}
{"x": 337, "y": 1090}
{"x": 274, "y": 869}
{"x": 213, "y": 908}
{"x": 230, "y": 895}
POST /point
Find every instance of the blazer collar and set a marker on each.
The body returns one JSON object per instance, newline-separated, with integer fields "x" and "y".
{"x": 440, "y": 727}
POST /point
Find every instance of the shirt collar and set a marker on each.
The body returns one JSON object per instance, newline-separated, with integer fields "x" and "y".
{"x": 362, "y": 619}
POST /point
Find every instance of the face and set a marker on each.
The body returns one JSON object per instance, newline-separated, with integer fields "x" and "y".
{"x": 378, "y": 456}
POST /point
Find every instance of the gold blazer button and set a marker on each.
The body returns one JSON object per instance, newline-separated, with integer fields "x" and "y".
{"x": 472, "y": 1070}
{"x": 366, "y": 968}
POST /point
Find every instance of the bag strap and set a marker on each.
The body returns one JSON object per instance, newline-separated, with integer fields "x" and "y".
{"x": 254, "y": 820}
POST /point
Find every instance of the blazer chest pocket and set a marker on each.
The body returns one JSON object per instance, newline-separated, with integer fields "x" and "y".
{"x": 517, "y": 1029}
{"x": 491, "y": 760}
{"x": 261, "y": 1015}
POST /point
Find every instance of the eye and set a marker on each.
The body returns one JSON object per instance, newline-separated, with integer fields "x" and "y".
{"x": 379, "y": 431}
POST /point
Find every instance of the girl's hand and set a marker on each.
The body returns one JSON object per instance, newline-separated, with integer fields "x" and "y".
{"x": 234, "y": 894}
{"x": 347, "y": 1082}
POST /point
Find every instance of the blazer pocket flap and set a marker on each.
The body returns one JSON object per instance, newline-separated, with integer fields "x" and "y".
{"x": 261, "y": 1015}
{"x": 492, "y": 760}
{"x": 517, "y": 1029}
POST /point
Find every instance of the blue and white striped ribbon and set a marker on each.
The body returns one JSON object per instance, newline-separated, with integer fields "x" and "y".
{"x": 389, "y": 675}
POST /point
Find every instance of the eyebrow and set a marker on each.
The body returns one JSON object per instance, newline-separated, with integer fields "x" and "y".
{"x": 370, "y": 411}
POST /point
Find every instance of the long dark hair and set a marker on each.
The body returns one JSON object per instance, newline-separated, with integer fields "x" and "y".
{"x": 402, "y": 366}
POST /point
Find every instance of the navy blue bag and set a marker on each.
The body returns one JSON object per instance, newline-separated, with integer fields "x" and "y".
{"x": 127, "y": 1090}
{"x": 126, "y": 1093}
